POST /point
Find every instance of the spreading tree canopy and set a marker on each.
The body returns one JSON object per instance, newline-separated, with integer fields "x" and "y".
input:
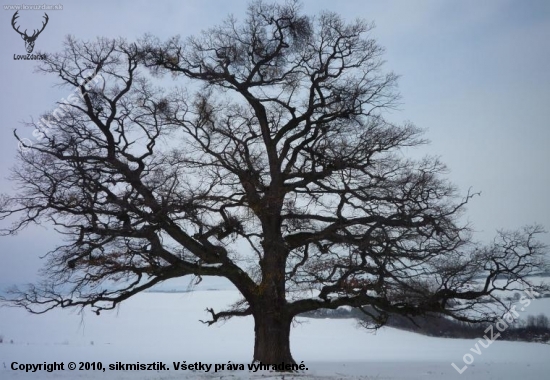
{"x": 269, "y": 163}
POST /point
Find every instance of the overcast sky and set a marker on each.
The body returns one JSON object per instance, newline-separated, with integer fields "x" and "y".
{"x": 474, "y": 74}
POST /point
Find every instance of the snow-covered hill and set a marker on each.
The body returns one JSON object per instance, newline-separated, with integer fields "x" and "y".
{"x": 165, "y": 327}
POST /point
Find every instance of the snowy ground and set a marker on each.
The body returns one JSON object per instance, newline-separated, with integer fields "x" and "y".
{"x": 164, "y": 327}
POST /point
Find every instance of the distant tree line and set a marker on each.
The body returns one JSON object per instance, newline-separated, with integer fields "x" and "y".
{"x": 532, "y": 329}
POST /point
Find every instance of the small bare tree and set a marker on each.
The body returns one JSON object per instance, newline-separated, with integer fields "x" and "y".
{"x": 273, "y": 167}
{"x": 543, "y": 321}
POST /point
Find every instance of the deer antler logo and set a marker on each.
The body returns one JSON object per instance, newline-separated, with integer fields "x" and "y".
{"x": 29, "y": 40}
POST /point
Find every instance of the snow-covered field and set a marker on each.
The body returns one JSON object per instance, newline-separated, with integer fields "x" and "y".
{"x": 165, "y": 327}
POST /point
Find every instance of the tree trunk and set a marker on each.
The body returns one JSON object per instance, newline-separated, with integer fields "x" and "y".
{"x": 272, "y": 337}
{"x": 271, "y": 318}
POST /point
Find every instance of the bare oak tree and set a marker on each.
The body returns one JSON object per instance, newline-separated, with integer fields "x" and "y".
{"x": 272, "y": 166}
